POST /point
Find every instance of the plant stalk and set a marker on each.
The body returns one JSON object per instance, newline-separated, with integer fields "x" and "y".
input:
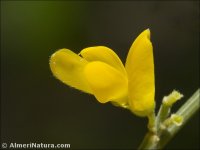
{"x": 187, "y": 110}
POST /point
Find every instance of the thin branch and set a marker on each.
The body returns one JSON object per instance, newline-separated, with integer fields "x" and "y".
{"x": 187, "y": 110}
{"x": 190, "y": 107}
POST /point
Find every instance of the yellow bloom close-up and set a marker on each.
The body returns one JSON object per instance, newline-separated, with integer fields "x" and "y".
{"x": 99, "y": 71}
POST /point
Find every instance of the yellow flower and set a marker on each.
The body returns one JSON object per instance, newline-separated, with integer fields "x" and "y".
{"x": 99, "y": 71}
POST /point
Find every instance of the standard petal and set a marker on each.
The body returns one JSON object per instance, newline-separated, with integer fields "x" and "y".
{"x": 106, "y": 82}
{"x": 68, "y": 67}
{"x": 104, "y": 54}
{"x": 140, "y": 71}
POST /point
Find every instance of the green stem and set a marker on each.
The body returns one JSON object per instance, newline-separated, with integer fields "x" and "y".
{"x": 187, "y": 110}
{"x": 151, "y": 123}
{"x": 150, "y": 141}
{"x": 190, "y": 107}
{"x": 162, "y": 115}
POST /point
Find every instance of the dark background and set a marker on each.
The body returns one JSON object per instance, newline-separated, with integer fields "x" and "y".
{"x": 35, "y": 107}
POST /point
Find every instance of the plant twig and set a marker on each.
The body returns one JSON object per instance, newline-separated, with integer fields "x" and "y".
{"x": 187, "y": 110}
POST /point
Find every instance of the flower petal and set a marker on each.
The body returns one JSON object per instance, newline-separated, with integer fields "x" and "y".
{"x": 68, "y": 67}
{"x": 104, "y": 54}
{"x": 140, "y": 70}
{"x": 106, "y": 82}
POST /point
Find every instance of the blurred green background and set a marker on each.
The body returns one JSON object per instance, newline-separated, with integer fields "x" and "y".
{"x": 35, "y": 107}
